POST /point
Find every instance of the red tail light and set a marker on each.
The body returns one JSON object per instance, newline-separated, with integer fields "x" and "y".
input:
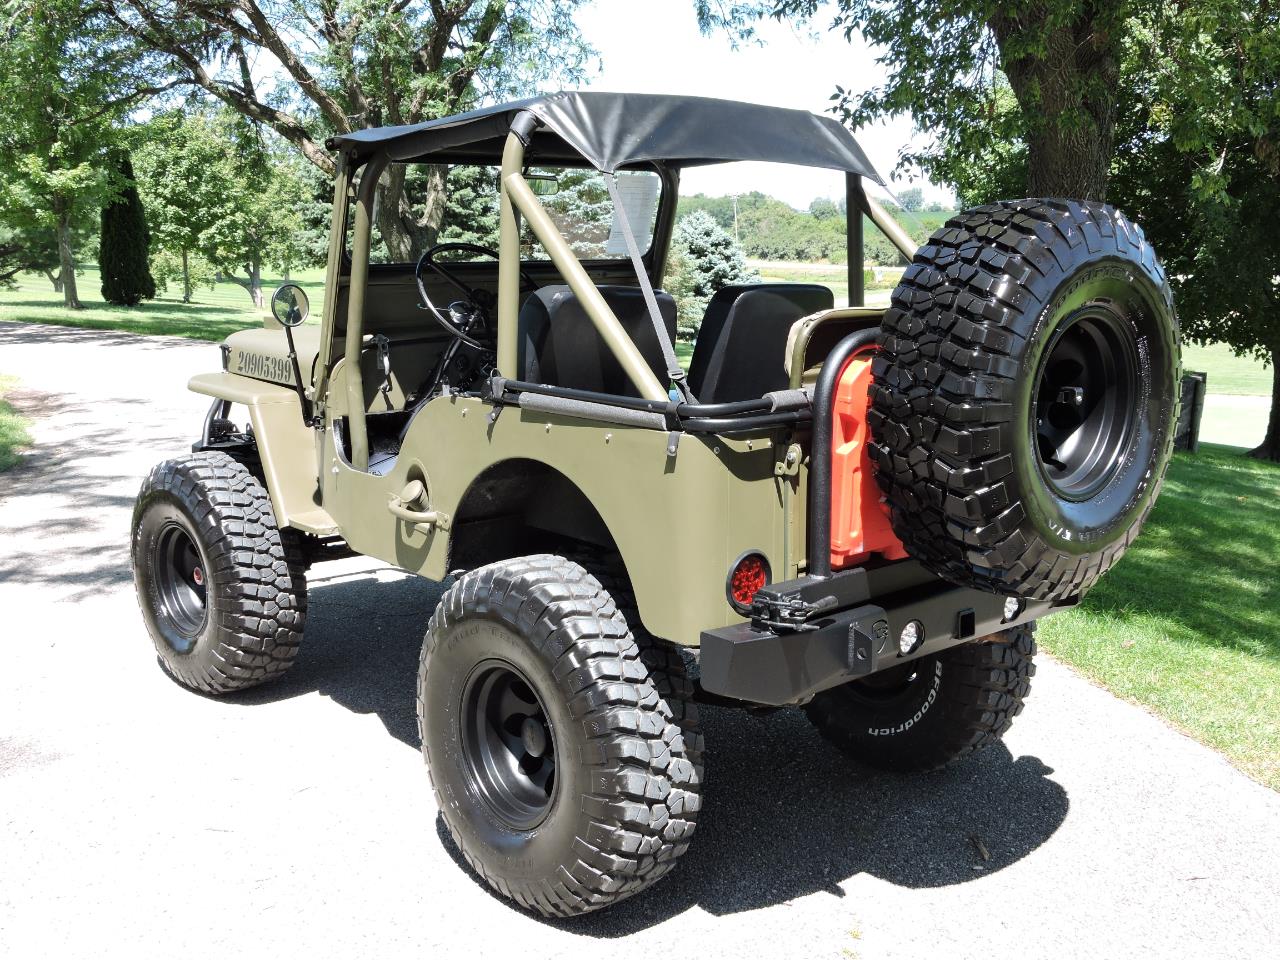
{"x": 748, "y": 575}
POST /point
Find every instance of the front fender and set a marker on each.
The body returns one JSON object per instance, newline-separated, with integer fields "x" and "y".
{"x": 286, "y": 447}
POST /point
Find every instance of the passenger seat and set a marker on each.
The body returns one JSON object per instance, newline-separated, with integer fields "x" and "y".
{"x": 560, "y": 346}
{"x": 743, "y": 337}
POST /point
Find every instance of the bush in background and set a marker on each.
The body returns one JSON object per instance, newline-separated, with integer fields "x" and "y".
{"x": 125, "y": 240}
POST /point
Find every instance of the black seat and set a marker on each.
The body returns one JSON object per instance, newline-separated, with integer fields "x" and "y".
{"x": 559, "y": 344}
{"x": 743, "y": 337}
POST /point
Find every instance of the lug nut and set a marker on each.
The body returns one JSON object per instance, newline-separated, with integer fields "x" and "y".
{"x": 1012, "y": 607}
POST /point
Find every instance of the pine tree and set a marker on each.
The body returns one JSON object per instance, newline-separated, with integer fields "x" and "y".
{"x": 124, "y": 243}
{"x": 704, "y": 259}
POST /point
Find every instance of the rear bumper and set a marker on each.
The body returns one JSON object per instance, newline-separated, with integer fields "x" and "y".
{"x": 768, "y": 665}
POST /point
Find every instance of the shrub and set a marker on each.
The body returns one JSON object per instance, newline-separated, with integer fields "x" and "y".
{"x": 124, "y": 243}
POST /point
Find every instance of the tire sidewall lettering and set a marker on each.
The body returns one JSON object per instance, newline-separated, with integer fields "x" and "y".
{"x": 930, "y": 697}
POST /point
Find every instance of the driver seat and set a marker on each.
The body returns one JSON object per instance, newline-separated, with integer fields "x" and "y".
{"x": 560, "y": 346}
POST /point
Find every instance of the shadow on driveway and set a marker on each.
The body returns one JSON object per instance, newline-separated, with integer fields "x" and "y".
{"x": 785, "y": 815}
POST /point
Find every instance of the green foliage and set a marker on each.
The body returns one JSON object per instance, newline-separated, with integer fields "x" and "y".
{"x": 231, "y": 197}
{"x": 704, "y": 259}
{"x": 1001, "y": 86}
{"x": 583, "y": 211}
{"x": 1198, "y": 163}
{"x": 26, "y": 247}
{"x": 911, "y": 199}
{"x": 124, "y": 242}
{"x": 471, "y": 206}
{"x": 769, "y": 229}
{"x": 67, "y": 74}
{"x": 363, "y": 64}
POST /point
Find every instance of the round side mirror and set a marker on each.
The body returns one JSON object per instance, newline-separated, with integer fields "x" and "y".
{"x": 289, "y": 304}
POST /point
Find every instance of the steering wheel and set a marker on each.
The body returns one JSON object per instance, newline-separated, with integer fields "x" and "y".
{"x": 475, "y": 304}
{"x": 428, "y": 259}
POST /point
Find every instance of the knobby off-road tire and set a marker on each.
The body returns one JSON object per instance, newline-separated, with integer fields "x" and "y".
{"x": 932, "y": 711}
{"x": 564, "y": 757}
{"x": 1025, "y": 396}
{"x": 221, "y": 587}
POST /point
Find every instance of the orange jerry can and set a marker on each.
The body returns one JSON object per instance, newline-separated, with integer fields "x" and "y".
{"x": 860, "y": 525}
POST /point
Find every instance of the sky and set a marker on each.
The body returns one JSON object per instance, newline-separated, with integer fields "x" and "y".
{"x": 654, "y": 46}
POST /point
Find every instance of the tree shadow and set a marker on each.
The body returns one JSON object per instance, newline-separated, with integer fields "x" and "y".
{"x": 1208, "y": 562}
{"x": 785, "y": 815}
{"x": 71, "y": 539}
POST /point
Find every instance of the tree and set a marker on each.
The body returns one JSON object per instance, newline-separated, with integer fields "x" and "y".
{"x": 911, "y": 199}
{"x": 982, "y": 75}
{"x": 261, "y": 218}
{"x": 27, "y": 248}
{"x": 1198, "y": 162}
{"x": 375, "y": 64}
{"x": 182, "y": 171}
{"x": 125, "y": 242}
{"x": 67, "y": 76}
{"x": 704, "y": 259}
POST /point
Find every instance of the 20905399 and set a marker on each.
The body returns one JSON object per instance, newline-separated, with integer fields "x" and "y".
{"x": 861, "y": 511}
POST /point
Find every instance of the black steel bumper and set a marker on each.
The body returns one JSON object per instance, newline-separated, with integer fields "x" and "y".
{"x": 773, "y": 663}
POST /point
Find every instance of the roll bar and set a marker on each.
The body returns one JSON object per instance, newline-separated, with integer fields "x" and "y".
{"x": 517, "y": 196}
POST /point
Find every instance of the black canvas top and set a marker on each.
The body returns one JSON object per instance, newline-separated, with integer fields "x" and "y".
{"x": 613, "y": 131}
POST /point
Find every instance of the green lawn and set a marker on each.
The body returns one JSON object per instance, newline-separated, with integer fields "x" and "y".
{"x": 1188, "y": 623}
{"x": 13, "y": 429}
{"x": 212, "y": 315}
{"x": 1227, "y": 372}
{"x": 833, "y": 275}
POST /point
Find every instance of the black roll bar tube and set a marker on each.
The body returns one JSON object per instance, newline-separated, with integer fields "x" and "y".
{"x": 819, "y": 525}
{"x": 681, "y": 411}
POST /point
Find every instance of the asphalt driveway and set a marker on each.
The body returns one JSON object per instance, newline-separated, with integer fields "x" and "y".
{"x": 139, "y": 820}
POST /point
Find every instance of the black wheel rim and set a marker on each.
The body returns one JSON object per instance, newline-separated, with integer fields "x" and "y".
{"x": 1085, "y": 403}
{"x": 181, "y": 587}
{"x": 508, "y": 745}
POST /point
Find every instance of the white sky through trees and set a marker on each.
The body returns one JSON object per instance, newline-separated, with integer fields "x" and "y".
{"x": 654, "y": 46}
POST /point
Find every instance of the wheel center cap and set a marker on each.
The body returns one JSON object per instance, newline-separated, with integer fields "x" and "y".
{"x": 534, "y": 736}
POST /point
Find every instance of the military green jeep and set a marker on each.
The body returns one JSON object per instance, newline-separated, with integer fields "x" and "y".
{"x": 857, "y": 511}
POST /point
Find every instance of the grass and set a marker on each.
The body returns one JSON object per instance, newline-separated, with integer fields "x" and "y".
{"x": 1238, "y": 376}
{"x": 13, "y": 429}
{"x": 212, "y": 315}
{"x": 1188, "y": 623}
{"x": 833, "y": 275}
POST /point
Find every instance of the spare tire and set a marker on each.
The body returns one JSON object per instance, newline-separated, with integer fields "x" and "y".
{"x": 1025, "y": 395}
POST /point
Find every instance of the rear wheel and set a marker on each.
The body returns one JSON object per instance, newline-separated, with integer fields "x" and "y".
{"x": 220, "y": 586}
{"x": 563, "y": 758}
{"x": 932, "y": 711}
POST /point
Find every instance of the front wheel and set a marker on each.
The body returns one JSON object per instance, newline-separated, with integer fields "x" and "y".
{"x": 564, "y": 762}
{"x": 221, "y": 587}
{"x": 930, "y": 712}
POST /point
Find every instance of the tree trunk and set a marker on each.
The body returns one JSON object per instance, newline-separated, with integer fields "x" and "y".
{"x": 1270, "y": 449}
{"x": 55, "y": 279}
{"x": 1067, "y": 92}
{"x": 255, "y": 282}
{"x": 66, "y": 259}
{"x": 186, "y": 278}
{"x": 406, "y": 233}
{"x": 251, "y": 283}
